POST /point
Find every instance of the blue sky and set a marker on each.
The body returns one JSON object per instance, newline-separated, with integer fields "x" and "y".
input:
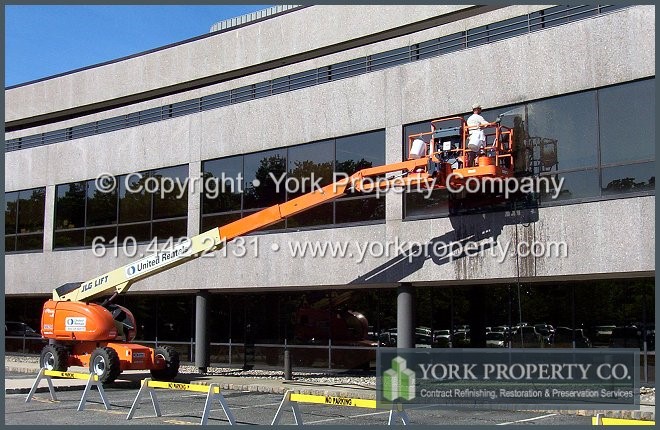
{"x": 45, "y": 40}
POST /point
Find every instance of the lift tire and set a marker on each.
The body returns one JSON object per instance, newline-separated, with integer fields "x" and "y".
{"x": 54, "y": 357}
{"x": 105, "y": 363}
{"x": 171, "y": 369}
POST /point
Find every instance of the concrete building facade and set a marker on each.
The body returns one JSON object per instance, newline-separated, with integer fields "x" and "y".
{"x": 300, "y": 78}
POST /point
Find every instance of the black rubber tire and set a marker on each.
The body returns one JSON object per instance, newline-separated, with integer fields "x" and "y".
{"x": 54, "y": 357}
{"x": 171, "y": 357}
{"x": 104, "y": 362}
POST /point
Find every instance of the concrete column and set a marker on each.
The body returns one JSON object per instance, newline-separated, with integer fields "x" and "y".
{"x": 195, "y": 190}
{"x": 405, "y": 319}
{"x": 202, "y": 355}
{"x": 49, "y": 217}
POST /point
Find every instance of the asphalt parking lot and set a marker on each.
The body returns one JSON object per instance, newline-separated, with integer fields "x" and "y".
{"x": 185, "y": 408}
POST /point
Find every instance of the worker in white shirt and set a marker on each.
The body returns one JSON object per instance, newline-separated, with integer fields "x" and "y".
{"x": 477, "y": 137}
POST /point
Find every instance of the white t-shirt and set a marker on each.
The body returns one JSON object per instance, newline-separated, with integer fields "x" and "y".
{"x": 477, "y": 138}
{"x": 475, "y": 119}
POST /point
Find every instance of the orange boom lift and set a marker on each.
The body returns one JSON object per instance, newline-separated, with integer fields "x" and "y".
{"x": 100, "y": 335}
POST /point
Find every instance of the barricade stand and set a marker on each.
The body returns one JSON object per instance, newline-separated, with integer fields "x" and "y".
{"x": 213, "y": 391}
{"x": 92, "y": 381}
{"x": 292, "y": 399}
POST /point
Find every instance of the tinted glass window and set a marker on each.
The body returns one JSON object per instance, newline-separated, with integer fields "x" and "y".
{"x": 70, "y": 206}
{"x": 576, "y": 185}
{"x": 627, "y": 122}
{"x": 268, "y": 168}
{"x": 11, "y": 212}
{"x": 67, "y": 239}
{"x": 101, "y": 206}
{"x": 360, "y": 210}
{"x": 134, "y": 201}
{"x": 171, "y": 196}
{"x": 310, "y": 166}
{"x": 320, "y": 215}
{"x": 222, "y": 181}
{"x": 571, "y": 121}
{"x": 31, "y": 207}
{"x": 104, "y": 235}
{"x": 629, "y": 179}
{"x": 360, "y": 152}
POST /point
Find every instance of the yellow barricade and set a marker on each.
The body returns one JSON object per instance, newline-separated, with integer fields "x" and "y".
{"x": 600, "y": 420}
{"x": 91, "y": 378}
{"x": 292, "y": 400}
{"x": 212, "y": 390}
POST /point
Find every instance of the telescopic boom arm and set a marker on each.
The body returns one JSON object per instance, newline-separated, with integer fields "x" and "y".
{"x": 411, "y": 172}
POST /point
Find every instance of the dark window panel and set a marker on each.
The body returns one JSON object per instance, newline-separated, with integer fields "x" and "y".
{"x": 418, "y": 205}
{"x": 134, "y": 206}
{"x": 478, "y": 36}
{"x": 55, "y": 136}
{"x": 111, "y": 124}
{"x": 11, "y": 212}
{"x": 262, "y": 89}
{"x": 579, "y": 12}
{"x": 31, "y": 207}
{"x": 105, "y": 235}
{"x": 627, "y": 122}
{"x": 611, "y": 7}
{"x": 548, "y": 17}
{"x": 310, "y": 166}
{"x": 139, "y": 232}
{"x": 70, "y": 206}
{"x": 280, "y": 85}
{"x": 572, "y": 121}
{"x": 323, "y": 74}
{"x": 101, "y": 206}
{"x": 222, "y": 179}
{"x": 577, "y": 185}
{"x": 83, "y": 130}
{"x": 151, "y": 115}
{"x": 267, "y": 167}
{"x": 359, "y": 210}
{"x": 215, "y": 100}
{"x": 242, "y": 94}
{"x": 133, "y": 119}
{"x": 632, "y": 178}
{"x": 215, "y": 221}
{"x": 320, "y": 215}
{"x": 390, "y": 58}
{"x": 68, "y": 239}
{"x": 507, "y": 28}
{"x": 185, "y": 107}
{"x": 348, "y": 68}
{"x": 302, "y": 80}
{"x": 174, "y": 203}
{"x": 30, "y": 242}
{"x": 175, "y": 229}
{"x": 10, "y": 243}
{"x": 359, "y": 152}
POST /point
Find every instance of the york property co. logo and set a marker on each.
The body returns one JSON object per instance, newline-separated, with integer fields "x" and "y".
{"x": 399, "y": 381}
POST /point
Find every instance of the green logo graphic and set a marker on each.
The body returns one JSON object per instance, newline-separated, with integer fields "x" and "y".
{"x": 399, "y": 381}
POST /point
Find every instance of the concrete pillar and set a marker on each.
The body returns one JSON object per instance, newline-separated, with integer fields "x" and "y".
{"x": 194, "y": 198}
{"x": 202, "y": 343}
{"x": 49, "y": 218}
{"x": 405, "y": 319}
